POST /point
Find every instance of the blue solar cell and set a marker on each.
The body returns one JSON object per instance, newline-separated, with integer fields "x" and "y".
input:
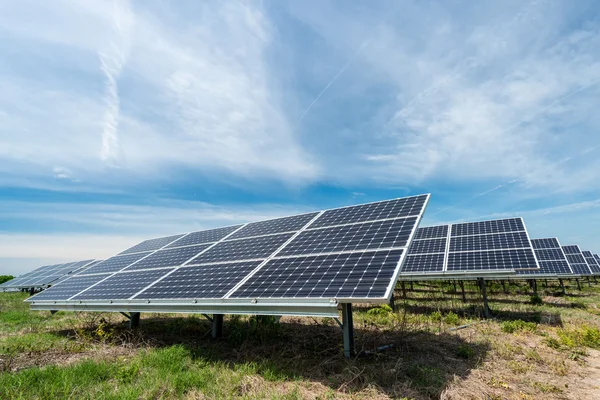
{"x": 207, "y": 236}
{"x": 549, "y": 254}
{"x": 487, "y": 227}
{"x": 405, "y": 207}
{"x": 492, "y": 260}
{"x": 552, "y": 267}
{"x": 114, "y": 264}
{"x": 68, "y": 288}
{"x": 122, "y": 285}
{"x": 152, "y": 244}
{"x": 168, "y": 257}
{"x": 490, "y": 242}
{"x": 359, "y": 275}
{"x": 430, "y": 232}
{"x": 427, "y": 246}
{"x": 546, "y": 243}
{"x": 242, "y": 249}
{"x": 424, "y": 263}
{"x": 360, "y": 236}
{"x": 210, "y": 281}
{"x": 278, "y": 225}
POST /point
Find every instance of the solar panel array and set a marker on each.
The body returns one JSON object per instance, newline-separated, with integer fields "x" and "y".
{"x": 576, "y": 260}
{"x": 346, "y": 253}
{"x": 46, "y": 275}
{"x": 497, "y": 245}
{"x": 551, "y": 258}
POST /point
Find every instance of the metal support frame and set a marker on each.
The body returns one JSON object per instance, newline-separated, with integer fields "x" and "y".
{"x": 462, "y": 289}
{"x": 533, "y": 283}
{"x": 503, "y": 286}
{"x": 562, "y": 286}
{"x": 392, "y": 303}
{"x": 411, "y": 286}
{"x": 217, "y": 326}
{"x": 486, "y": 309}
{"x": 578, "y": 285}
{"x": 134, "y": 320}
{"x": 348, "y": 328}
{"x": 403, "y": 285}
{"x": 589, "y": 282}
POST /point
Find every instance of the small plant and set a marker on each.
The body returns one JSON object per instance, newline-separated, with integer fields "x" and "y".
{"x": 547, "y": 388}
{"x": 578, "y": 304}
{"x": 436, "y": 316}
{"x": 553, "y": 343}
{"x": 536, "y": 300}
{"x": 518, "y": 326}
{"x": 381, "y": 310}
{"x": 464, "y": 351}
{"x": 451, "y": 319}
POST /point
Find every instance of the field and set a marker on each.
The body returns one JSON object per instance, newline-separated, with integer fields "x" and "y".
{"x": 436, "y": 346}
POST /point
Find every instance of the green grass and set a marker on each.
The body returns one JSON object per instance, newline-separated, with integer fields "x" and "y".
{"x": 170, "y": 372}
{"x": 518, "y": 326}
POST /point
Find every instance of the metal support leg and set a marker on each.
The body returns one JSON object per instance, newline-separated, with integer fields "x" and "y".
{"x": 589, "y": 283}
{"x": 31, "y": 291}
{"x": 578, "y": 285}
{"x": 486, "y": 309}
{"x": 534, "y": 287}
{"x": 348, "y": 330}
{"x": 403, "y": 289}
{"x": 217, "y": 326}
{"x": 411, "y": 286}
{"x": 134, "y": 320}
{"x": 454, "y": 284}
{"x": 562, "y": 287}
{"x": 462, "y": 289}
{"x": 504, "y": 287}
{"x": 392, "y": 303}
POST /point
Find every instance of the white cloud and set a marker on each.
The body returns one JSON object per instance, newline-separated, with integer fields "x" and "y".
{"x": 195, "y": 91}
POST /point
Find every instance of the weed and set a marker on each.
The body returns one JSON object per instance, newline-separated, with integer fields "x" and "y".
{"x": 533, "y": 355}
{"x": 381, "y": 310}
{"x": 518, "y": 326}
{"x": 584, "y": 336}
{"x": 553, "y": 343}
{"x": 436, "y": 316}
{"x": 464, "y": 351}
{"x": 547, "y": 388}
{"x": 451, "y": 319}
{"x": 535, "y": 299}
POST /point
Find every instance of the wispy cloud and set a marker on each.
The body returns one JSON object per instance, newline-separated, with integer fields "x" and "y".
{"x": 112, "y": 61}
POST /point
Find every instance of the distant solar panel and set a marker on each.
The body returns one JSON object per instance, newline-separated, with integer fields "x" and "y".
{"x": 591, "y": 261}
{"x": 46, "y": 275}
{"x": 576, "y": 260}
{"x": 348, "y": 254}
{"x": 551, "y": 258}
{"x": 496, "y": 246}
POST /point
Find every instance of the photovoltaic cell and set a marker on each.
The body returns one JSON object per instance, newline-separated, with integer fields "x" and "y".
{"x": 68, "y": 288}
{"x": 278, "y": 225}
{"x": 361, "y": 275}
{"x": 428, "y": 246}
{"x": 168, "y": 257}
{"x": 491, "y": 260}
{"x": 211, "y": 281}
{"x": 115, "y": 263}
{"x": 424, "y": 263}
{"x": 408, "y": 206}
{"x": 487, "y": 227}
{"x": 242, "y": 249}
{"x": 208, "y": 236}
{"x": 490, "y": 242}
{"x": 549, "y": 254}
{"x": 545, "y": 243}
{"x": 591, "y": 261}
{"x": 122, "y": 285}
{"x": 431, "y": 232}
{"x": 152, "y": 244}
{"x": 361, "y": 236}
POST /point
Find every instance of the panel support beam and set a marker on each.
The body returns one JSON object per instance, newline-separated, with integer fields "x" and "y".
{"x": 462, "y": 289}
{"x": 578, "y": 285}
{"x": 134, "y": 320}
{"x": 217, "y": 326}
{"x": 562, "y": 287}
{"x": 348, "y": 328}
{"x": 486, "y": 309}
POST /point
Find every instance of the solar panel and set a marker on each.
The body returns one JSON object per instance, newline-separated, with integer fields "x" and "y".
{"x": 576, "y": 260}
{"x": 115, "y": 263}
{"x": 551, "y": 258}
{"x": 152, "y": 244}
{"x": 69, "y": 287}
{"x": 352, "y": 253}
{"x": 208, "y": 236}
{"x": 496, "y": 246}
{"x": 597, "y": 257}
{"x": 46, "y": 275}
{"x": 591, "y": 261}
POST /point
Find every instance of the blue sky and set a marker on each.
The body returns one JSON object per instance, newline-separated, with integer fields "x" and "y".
{"x": 121, "y": 120}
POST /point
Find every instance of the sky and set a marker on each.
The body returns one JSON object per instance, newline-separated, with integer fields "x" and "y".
{"x": 127, "y": 120}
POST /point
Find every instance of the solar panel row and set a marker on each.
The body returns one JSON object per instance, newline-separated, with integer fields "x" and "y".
{"x": 551, "y": 259}
{"x": 46, "y": 275}
{"x": 576, "y": 260}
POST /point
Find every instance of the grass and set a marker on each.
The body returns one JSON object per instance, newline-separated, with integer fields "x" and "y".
{"x": 440, "y": 347}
